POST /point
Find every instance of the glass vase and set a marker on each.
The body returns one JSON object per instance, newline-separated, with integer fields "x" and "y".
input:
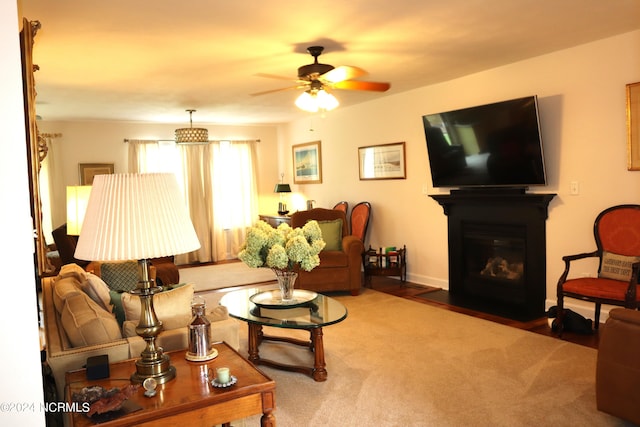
{"x": 286, "y": 282}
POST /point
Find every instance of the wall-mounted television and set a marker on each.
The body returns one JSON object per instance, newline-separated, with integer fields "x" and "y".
{"x": 492, "y": 145}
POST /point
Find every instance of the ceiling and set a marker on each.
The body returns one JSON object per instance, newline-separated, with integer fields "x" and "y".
{"x": 150, "y": 60}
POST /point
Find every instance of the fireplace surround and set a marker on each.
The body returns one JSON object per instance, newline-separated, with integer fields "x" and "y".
{"x": 497, "y": 250}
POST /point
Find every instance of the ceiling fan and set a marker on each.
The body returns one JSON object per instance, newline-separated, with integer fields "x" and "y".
{"x": 316, "y": 78}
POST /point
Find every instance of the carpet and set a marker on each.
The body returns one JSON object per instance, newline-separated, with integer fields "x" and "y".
{"x": 396, "y": 362}
{"x": 227, "y": 275}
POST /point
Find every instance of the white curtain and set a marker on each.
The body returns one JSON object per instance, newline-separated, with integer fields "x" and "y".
{"x": 48, "y": 168}
{"x": 219, "y": 185}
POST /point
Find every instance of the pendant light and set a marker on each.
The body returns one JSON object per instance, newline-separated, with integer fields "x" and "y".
{"x": 192, "y": 135}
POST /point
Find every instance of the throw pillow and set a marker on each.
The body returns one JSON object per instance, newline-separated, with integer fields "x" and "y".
{"x": 617, "y": 267}
{"x": 173, "y": 303}
{"x": 120, "y": 276}
{"x": 97, "y": 290}
{"x": 85, "y": 323}
{"x": 332, "y": 234}
{"x": 116, "y": 302}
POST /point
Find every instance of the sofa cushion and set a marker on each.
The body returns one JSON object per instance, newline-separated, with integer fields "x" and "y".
{"x": 71, "y": 270}
{"x": 331, "y": 234}
{"x": 219, "y": 313}
{"x": 120, "y": 276}
{"x": 97, "y": 290}
{"x": 172, "y": 303}
{"x": 86, "y": 323}
{"x": 617, "y": 267}
{"x": 63, "y": 288}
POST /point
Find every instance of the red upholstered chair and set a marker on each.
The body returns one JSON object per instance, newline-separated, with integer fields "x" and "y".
{"x": 617, "y": 235}
{"x": 342, "y": 206}
{"x": 360, "y": 220}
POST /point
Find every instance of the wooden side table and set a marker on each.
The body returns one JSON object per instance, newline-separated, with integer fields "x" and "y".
{"x": 276, "y": 220}
{"x": 189, "y": 399}
{"x": 385, "y": 264}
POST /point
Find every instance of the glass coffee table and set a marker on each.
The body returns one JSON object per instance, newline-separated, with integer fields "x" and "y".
{"x": 309, "y": 311}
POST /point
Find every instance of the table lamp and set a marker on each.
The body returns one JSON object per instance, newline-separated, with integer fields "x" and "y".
{"x": 138, "y": 217}
{"x": 281, "y": 188}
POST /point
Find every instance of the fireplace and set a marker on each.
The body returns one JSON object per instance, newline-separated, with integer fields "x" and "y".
{"x": 497, "y": 250}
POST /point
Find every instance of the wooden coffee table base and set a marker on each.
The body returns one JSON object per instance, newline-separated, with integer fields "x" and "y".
{"x": 318, "y": 372}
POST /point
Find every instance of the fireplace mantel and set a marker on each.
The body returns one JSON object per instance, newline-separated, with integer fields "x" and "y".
{"x": 498, "y": 211}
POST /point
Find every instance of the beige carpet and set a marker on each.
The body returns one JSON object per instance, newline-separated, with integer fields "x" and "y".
{"x": 213, "y": 277}
{"x": 395, "y": 362}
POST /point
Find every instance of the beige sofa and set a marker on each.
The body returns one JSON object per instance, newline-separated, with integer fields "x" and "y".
{"x": 79, "y": 324}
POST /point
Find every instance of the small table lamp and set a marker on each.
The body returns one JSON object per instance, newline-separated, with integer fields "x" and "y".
{"x": 282, "y": 188}
{"x": 138, "y": 217}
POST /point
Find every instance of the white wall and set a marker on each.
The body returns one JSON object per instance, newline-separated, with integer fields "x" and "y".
{"x": 20, "y": 350}
{"x": 582, "y": 103}
{"x": 581, "y": 95}
{"x": 103, "y": 142}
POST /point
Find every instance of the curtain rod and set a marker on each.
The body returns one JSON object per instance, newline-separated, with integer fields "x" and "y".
{"x": 126, "y": 140}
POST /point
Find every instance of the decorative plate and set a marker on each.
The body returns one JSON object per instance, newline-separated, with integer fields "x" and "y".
{"x": 232, "y": 381}
{"x": 273, "y": 299}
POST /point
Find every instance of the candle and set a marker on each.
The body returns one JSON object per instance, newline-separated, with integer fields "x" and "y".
{"x": 222, "y": 375}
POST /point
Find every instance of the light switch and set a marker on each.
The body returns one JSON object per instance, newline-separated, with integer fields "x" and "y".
{"x": 575, "y": 188}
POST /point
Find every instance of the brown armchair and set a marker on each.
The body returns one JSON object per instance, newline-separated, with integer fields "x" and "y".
{"x": 618, "y": 365}
{"x": 617, "y": 234}
{"x": 339, "y": 270}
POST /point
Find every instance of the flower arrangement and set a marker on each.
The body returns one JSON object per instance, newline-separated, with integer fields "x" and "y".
{"x": 283, "y": 248}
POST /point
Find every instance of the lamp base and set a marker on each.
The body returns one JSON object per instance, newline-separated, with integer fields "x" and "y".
{"x": 160, "y": 370}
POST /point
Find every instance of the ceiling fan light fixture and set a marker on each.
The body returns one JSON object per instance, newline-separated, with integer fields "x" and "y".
{"x": 192, "y": 135}
{"x": 314, "y": 101}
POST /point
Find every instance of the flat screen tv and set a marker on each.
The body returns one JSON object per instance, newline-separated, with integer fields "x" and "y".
{"x": 492, "y": 145}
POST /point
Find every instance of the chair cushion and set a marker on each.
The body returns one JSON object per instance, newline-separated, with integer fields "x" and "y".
{"x": 86, "y": 323}
{"x": 617, "y": 267}
{"x": 599, "y": 288}
{"x": 120, "y": 276}
{"x": 331, "y": 234}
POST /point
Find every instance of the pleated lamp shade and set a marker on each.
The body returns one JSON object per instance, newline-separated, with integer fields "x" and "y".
{"x": 134, "y": 217}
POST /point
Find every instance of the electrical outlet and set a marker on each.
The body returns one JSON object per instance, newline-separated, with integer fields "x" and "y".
{"x": 575, "y": 188}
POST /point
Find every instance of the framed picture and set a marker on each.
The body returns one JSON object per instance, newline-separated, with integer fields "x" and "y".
{"x": 633, "y": 126}
{"x": 89, "y": 170}
{"x": 386, "y": 161}
{"x": 307, "y": 163}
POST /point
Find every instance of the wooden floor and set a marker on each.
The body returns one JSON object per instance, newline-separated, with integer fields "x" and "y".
{"x": 409, "y": 291}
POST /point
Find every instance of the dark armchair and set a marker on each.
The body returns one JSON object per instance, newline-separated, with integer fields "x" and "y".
{"x": 340, "y": 261}
{"x": 617, "y": 234}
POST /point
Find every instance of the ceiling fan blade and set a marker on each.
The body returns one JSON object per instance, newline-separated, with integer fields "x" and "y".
{"x": 274, "y": 76}
{"x": 275, "y": 90}
{"x": 342, "y": 73}
{"x": 359, "y": 85}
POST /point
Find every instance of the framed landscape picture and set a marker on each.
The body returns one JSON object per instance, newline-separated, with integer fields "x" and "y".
{"x": 386, "y": 161}
{"x": 633, "y": 126}
{"x": 307, "y": 163}
{"x": 89, "y": 170}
